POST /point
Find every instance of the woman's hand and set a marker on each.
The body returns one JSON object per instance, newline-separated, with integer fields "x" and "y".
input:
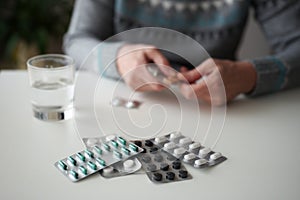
{"x": 209, "y": 79}
{"x": 131, "y": 64}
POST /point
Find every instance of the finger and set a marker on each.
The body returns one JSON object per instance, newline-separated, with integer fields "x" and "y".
{"x": 150, "y": 87}
{"x": 183, "y": 69}
{"x": 193, "y": 91}
{"x": 146, "y": 81}
{"x": 205, "y": 68}
{"x": 161, "y": 61}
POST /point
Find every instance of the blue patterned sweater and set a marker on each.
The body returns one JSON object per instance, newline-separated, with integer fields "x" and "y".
{"x": 217, "y": 25}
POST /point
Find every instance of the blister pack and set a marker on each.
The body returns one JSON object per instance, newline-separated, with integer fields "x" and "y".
{"x": 189, "y": 151}
{"x": 173, "y": 80}
{"x": 129, "y": 166}
{"x": 106, "y": 151}
{"x": 121, "y": 102}
{"x": 160, "y": 166}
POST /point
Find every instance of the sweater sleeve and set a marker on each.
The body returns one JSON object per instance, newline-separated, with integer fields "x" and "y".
{"x": 280, "y": 21}
{"x": 91, "y": 24}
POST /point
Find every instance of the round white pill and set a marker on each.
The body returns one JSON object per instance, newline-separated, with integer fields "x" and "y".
{"x": 215, "y": 156}
{"x": 128, "y": 164}
{"x": 108, "y": 170}
{"x": 160, "y": 139}
{"x": 189, "y": 157}
{"x": 185, "y": 141}
{"x": 175, "y": 135}
{"x": 203, "y": 152}
{"x": 117, "y": 102}
{"x": 169, "y": 146}
{"x": 194, "y": 145}
{"x": 179, "y": 151}
{"x": 91, "y": 141}
{"x": 200, "y": 162}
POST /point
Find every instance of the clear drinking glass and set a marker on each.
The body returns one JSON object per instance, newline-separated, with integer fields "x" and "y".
{"x": 51, "y": 78}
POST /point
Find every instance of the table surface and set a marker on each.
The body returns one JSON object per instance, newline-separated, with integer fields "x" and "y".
{"x": 260, "y": 137}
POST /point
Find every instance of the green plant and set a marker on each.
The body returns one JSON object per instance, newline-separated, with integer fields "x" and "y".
{"x": 33, "y": 22}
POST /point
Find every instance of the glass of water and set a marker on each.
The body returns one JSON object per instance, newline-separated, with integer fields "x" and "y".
{"x": 51, "y": 78}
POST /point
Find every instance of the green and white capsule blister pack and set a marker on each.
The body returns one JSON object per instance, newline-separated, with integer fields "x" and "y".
{"x": 105, "y": 152}
{"x": 189, "y": 151}
{"x": 122, "y": 168}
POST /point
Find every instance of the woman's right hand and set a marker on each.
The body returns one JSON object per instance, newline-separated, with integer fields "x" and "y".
{"x": 131, "y": 63}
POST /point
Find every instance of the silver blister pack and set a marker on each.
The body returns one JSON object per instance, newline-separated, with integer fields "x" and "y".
{"x": 127, "y": 167}
{"x": 171, "y": 80}
{"x": 160, "y": 166}
{"x": 189, "y": 151}
{"x": 106, "y": 151}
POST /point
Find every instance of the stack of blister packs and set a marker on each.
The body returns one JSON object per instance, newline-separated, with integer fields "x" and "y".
{"x": 161, "y": 158}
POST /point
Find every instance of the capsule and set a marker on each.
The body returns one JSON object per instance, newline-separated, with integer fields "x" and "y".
{"x": 125, "y": 150}
{"x": 114, "y": 143}
{"x": 62, "y": 165}
{"x": 189, "y": 157}
{"x": 72, "y": 160}
{"x": 185, "y": 141}
{"x": 194, "y": 145}
{"x": 83, "y": 170}
{"x": 101, "y": 162}
{"x": 80, "y": 156}
{"x": 200, "y": 162}
{"x": 98, "y": 150}
{"x": 169, "y": 146}
{"x": 175, "y": 135}
{"x": 215, "y": 156}
{"x": 133, "y": 147}
{"x": 122, "y": 140}
{"x": 74, "y": 174}
{"x": 92, "y": 165}
{"x": 118, "y": 154}
{"x": 203, "y": 152}
{"x": 89, "y": 153}
{"x": 160, "y": 139}
{"x": 179, "y": 151}
{"x": 106, "y": 147}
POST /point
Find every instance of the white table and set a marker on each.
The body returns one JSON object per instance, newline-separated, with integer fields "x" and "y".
{"x": 261, "y": 139}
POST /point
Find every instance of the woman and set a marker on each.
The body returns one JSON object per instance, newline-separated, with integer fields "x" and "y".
{"x": 216, "y": 24}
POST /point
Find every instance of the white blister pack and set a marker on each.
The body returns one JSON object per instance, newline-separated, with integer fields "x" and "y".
{"x": 105, "y": 152}
{"x": 189, "y": 151}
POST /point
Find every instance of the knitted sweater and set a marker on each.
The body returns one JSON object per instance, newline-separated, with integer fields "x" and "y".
{"x": 216, "y": 24}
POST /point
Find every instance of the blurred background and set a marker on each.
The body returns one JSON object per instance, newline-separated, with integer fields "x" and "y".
{"x": 31, "y": 27}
